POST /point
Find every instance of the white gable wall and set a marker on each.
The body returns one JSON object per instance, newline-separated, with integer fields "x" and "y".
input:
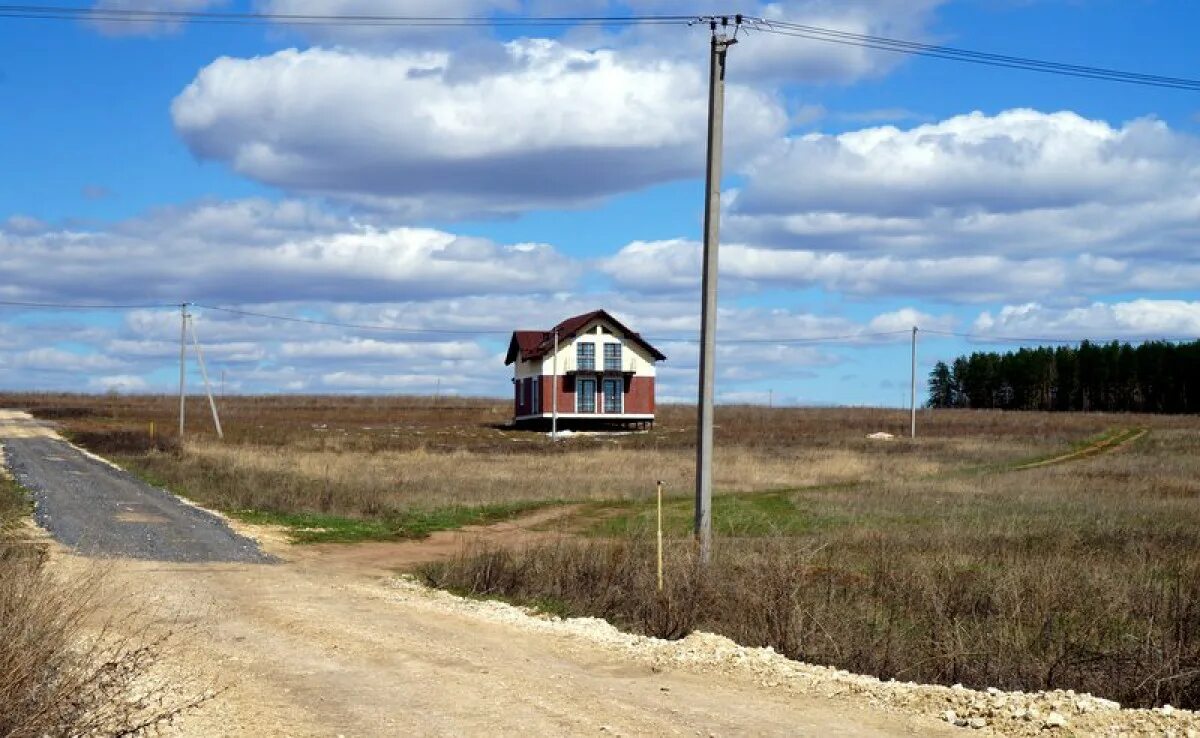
{"x": 633, "y": 357}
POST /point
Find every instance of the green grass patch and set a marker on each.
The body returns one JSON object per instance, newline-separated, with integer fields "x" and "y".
{"x": 748, "y": 515}
{"x": 319, "y": 528}
{"x": 314, "y": 527}
{"x": 15, "y": 504}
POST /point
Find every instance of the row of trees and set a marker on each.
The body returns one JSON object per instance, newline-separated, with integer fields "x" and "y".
{"x": 1156, "y": 377}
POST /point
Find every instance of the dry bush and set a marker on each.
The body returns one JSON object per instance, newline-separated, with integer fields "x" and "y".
{"x": 1079, "y": 576}
{"x": 64, "y": 670}
{"x": 124, "y": 441}
{"x": 920, "y": 610}
{"x": 61, "y": 673}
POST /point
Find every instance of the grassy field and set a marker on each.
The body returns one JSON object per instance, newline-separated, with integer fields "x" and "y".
{"x": 1016, "y": 550}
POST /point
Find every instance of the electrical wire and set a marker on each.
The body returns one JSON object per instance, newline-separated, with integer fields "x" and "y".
{"x": 125, "y": 15}
{"x": 840, "y": 338}
{"x": 469, "y": 332}
{"x": 352, "y": 326}
{"x": 883, "y": 43}
{"x": 73, "y": 306}
{"x": 762, "y": 25}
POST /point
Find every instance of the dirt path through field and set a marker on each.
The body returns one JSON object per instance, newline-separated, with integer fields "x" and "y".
{"x": 1109, "y": 444}
{"x": 388, "y": 557}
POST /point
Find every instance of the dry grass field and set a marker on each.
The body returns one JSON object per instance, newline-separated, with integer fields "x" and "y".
{"x": 948, "y": 559}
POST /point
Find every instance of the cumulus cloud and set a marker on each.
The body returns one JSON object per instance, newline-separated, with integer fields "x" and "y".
{"x": 1019, "y": 183}
{"x": 540, "y": 125}
{"x": 674, "y": 264}
{"x": 257, "y": 251}
{"x": 1144, "y": 318}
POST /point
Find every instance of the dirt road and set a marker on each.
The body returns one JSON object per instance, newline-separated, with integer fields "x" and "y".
{"x": 311, "y": 646}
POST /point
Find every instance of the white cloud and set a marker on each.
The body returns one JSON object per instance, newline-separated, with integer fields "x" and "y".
{"x": 674, "y": 264}
{"x": 370, "y": 349}
{"x": 255, "y": 251}
{"x": 51, "y": 359}
{"x": 540, "y": 125}
{"x": 1143, "y": 318}
{"x": 1020, "y": 184}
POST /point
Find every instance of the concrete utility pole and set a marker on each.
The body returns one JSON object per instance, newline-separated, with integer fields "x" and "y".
{"x": 708, "y": 314}
{"x": 913, "y": 399}
{"x": 204, "y": 373}
{"x": 554, "y": 391}
{"x": 183, "y": 318}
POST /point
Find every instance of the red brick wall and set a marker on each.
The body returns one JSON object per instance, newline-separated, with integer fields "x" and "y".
{"x": 566, "y": 394}
{"x": 639, "y": 397}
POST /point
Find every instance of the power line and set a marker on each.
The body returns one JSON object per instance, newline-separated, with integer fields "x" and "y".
{"x": 352, "y": 326}
{"x": 427, "y": 331}
{"x": 883, "y": 43}
{"x": 124, "y": 15}
{"x": 486, "y": 331}
{"x": 76, "y": 306}
{"x": 763, "y": 25}
{"x": 797, "y": 340}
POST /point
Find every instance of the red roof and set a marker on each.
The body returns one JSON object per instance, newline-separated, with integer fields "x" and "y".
{"x": 536, "y": 344}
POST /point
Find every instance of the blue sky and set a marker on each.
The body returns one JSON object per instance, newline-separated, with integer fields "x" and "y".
{"x": 481, "y": 181}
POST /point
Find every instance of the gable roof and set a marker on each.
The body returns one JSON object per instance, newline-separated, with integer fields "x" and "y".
{"x": 535, "y": 344}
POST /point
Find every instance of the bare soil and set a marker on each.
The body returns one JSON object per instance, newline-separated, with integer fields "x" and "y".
{"x": 312, "y": 647}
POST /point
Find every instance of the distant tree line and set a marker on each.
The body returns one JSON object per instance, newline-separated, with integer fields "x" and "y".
{"x": 1154, "y": 377}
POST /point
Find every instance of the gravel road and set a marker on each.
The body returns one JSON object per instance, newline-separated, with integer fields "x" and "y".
{"x": 100, "y": 510}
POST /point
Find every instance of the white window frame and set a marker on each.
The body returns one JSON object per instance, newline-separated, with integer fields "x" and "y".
{"x": 579, "y": 365}
{"x": 580, "y": 395}
{"x": 619, "y": 357}
{"x": 620, "y": 394}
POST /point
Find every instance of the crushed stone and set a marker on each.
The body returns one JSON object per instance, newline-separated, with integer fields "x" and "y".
{"x": 1056, "y": 712}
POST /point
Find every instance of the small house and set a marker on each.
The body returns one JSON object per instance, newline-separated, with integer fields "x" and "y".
{"x": 603, "y": 372}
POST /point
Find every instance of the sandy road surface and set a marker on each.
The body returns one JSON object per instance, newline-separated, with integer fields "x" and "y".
{"x": 314, "y": 647}
{"x": 307, "y": 653}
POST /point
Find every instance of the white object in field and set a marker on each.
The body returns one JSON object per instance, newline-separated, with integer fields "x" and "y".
{"x": 880, "y": 436}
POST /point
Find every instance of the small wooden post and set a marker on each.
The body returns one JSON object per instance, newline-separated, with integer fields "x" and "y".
{"x": 152, "y": 429}
{"x": 660, "y": 542}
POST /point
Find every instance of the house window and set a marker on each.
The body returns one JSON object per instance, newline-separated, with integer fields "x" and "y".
{"x": 585, "y": 396}
{"x": 612, "y": 395}
{"x": 537, "y": 395}
{"x": 585, "y": 356}
{"x": 612, "y": 357}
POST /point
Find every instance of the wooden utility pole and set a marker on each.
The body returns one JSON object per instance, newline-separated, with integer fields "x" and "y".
{"x": 204, "y": 374}
{"x": 708, "y": 312}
